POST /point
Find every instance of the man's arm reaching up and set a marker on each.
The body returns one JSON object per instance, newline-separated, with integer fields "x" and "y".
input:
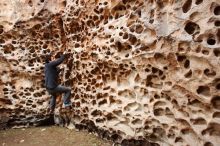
{"x": 57, "y": 61}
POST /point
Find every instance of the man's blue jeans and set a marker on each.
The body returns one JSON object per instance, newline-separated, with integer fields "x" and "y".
{"x": 60, "y": 89}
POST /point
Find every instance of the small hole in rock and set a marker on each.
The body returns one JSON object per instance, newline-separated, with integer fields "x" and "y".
{"x": 217, "y": 10}
{"x": 199, "y": 2}
{"x": 30, "y": 3}
{"x": 187, "y": 64}
{"x": 191, "y": 27}
{"x": 151, "y": 21}
{"x": 205, "y": 52}
{"x": 208, "y": 144}
{"x": 181, "y": 58}
{"x": 188, "y": 74}
{"x": 211, "y": 41}
{"x": 1, "y": 30}
{"x": 187, "y": 6}
{"x": 204, "y": 90}
{"x": 218, "y": 86}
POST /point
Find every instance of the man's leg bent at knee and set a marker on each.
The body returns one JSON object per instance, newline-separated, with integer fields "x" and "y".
{"x": 52, "y": 103}
{"x": 67, "y": 93}
{"x": 66, "y": 98}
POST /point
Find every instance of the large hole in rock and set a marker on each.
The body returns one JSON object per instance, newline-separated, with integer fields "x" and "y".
{"x": 2, "y": 41}
{"x": 216, "y": 52}
{"x": 191, "y": 27}
{"x": 132, "y": 39}
{"x": 216, "y": 102}
{"x": 216, "y": 115}
{"x": 217, "y": 23}
{"x": 198, "y": 121}
{"x": 1, "y": 30}
{"x": 181, "y": 58}
{"x": 217, "y": 10}
{"x": 209, "y": 73}
{"x": 204, "y": 90}
{"x": 187, "y": 6}
{"x": 218, "y": 35}
{"x": 218, "y": 86}
{"x": 213, "y": 129}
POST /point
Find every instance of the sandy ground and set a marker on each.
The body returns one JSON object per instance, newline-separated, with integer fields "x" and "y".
{"x": 49, "y": 136}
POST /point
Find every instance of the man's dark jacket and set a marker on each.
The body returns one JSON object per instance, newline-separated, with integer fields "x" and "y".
{"x": 51, "y": 73}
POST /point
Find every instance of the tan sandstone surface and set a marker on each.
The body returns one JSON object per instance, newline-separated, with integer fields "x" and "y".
{"x": 141, "y": 71}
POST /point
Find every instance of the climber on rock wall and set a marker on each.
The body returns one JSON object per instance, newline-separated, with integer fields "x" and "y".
{"x": 51, "y": 82}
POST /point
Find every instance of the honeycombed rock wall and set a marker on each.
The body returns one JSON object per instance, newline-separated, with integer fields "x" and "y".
{"x": 142, "y": 72}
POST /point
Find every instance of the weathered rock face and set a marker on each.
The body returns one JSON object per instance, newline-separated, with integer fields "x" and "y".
{"x": 144, "y": 70}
